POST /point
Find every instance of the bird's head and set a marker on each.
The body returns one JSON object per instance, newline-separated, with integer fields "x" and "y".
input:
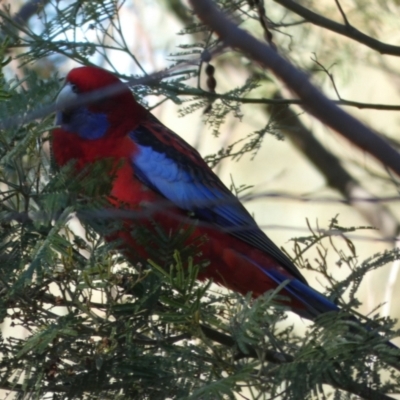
{"x": 94, "y": 103}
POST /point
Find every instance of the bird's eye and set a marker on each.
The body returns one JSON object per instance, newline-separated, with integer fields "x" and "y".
{"x": 74, "y": 88}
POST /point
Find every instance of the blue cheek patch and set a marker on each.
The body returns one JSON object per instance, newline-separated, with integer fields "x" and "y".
{"x": 86, "y": 124}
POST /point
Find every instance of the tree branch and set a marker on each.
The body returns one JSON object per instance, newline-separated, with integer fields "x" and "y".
{"x": 313, "y": 100}
{"x": 345, "y": 30}
{"x": 188, "y": 91}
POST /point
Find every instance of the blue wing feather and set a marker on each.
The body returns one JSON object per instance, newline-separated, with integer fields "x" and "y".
{"x": 175, "y": 170}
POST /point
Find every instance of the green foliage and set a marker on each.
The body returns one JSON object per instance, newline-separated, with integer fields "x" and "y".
{"x": 4, "y": 60}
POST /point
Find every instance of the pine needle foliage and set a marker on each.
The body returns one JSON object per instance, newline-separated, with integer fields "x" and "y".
{"x": 81, "y": 322}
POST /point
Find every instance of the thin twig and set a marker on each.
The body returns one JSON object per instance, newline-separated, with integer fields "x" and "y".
{"x": 342, "y": 12}
{"x": 352, "y": 33}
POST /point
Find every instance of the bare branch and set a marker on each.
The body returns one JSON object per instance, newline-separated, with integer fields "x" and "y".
{"x": 187, "y": 91}
{"x": 313, "y": 100}
{"x": 342, "y": 12}
{"x": 345, "y": 30}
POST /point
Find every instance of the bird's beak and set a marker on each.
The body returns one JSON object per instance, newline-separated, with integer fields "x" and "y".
{"x": 65, "y": 101}
{"x": 66, "y": 97}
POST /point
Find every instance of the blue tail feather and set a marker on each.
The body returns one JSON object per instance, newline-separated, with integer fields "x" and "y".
{"x": 314, "y": 302}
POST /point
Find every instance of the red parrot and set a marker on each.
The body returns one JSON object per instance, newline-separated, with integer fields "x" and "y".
{"x": 154, "y": 166}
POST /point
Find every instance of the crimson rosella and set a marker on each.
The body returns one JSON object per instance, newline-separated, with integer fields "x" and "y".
{"x": 154, "y": 166}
